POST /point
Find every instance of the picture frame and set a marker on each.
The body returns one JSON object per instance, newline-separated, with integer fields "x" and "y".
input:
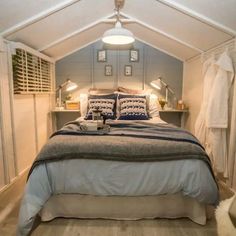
{"x": 133, "y": 55}
{"x": 128, "y": 70}
{"x": 108, "y": 70}
{"x": 102, "y": 55}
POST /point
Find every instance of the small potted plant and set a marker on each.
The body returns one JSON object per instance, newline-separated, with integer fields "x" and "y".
{"x": 162, "y": 102}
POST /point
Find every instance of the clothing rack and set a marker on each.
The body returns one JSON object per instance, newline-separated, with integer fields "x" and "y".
{"x": 230, "y": 45}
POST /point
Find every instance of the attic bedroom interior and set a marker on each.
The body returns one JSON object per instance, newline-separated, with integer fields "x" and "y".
{"x": 117, "y": 117}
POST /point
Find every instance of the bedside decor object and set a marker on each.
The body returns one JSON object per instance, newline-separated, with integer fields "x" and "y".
{"x": 108, "y": 70}
{"x": 133, "y": 55}
{"x": 69, "y": 86}
{"x": 158, "y": 84}
{"x": 162, "y": 102}
{"x": 181, "y": 105}
{"x": 128, "y": 70}
{"x": 102, "y": 56}
{"x": 72, "y": 105}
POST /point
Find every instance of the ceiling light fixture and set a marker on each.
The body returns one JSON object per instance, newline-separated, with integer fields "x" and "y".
{"x": 118, "y": 35}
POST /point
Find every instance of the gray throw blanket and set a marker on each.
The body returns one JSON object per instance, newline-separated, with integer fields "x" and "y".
{"x": 127, "y": 141}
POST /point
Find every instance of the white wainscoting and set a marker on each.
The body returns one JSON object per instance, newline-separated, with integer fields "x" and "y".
{"x": 25, "y": 123}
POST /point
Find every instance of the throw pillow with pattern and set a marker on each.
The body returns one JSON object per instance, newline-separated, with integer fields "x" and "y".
{"x": 132, "y": 107}
{"x": 106, "y": 103}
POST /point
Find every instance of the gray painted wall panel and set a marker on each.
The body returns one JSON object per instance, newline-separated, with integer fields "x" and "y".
{"x": 82, "y": 67}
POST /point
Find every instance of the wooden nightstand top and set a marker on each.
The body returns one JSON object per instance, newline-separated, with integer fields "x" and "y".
{"x": 64, "y": 110}
{"x": 174, "y": 110}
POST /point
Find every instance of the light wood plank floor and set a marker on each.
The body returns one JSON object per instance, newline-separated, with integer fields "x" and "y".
{"x": 77, "y": 227}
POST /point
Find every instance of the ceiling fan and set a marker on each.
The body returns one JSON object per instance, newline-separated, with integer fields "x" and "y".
{"x": 118, "y": 35}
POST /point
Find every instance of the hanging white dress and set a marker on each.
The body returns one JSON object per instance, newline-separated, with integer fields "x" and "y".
{"x": 232, "y": 142}
{"x": 217, "y": 113}
{"x": 209, "y": 72}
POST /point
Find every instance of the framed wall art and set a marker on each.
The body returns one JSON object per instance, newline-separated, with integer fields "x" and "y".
{"x": 108, "y": 70}
{"x": 128, "y": 70}
{"x": 101, "y": 55}
{"x": 133, "y": 55}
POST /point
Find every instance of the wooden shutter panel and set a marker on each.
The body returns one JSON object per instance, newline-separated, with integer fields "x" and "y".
{"x": 32, "y": 74}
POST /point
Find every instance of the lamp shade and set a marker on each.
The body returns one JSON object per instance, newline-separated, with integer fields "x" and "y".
{"x": 156, "y": 84}
{"x": 118, "y": 35}
{"x": 70, "y": 86}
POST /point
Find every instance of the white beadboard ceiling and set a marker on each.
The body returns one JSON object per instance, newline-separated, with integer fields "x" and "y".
{"x": 181, "y": 28}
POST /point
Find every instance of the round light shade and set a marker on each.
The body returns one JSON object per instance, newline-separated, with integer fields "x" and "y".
{"x": 70, "y": 86}
{"x": 118, "y": 35}
{"x": 156, "y": 84}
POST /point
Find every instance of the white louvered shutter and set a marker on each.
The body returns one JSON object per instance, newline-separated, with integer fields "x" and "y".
{"x": 32, "y": 74}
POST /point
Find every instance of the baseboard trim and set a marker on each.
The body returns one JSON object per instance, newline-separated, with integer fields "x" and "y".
{"x": 11, "y": 194}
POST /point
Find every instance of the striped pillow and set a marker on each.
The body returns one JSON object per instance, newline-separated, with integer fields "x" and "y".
{"x": 133, "y": 107}
{"x": 106, "y": 103}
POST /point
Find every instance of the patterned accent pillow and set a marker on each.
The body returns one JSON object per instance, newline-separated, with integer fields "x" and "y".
{"x": 133, "y": 107}
{"x": 106, "y": 103}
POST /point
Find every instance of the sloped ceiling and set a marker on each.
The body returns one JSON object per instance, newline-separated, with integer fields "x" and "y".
{"x": 181, "y": 28}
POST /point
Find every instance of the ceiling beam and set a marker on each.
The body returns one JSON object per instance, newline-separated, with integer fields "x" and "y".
{"x": 161, "y": 32}
{"x": 160, "y": 49}
{"x": 198, "y": 16}
{"x": 130, "y": 18}
{"x": 76, "y": 32}
{"x": 75, "y": 50}
{"x": 38, "y": 17}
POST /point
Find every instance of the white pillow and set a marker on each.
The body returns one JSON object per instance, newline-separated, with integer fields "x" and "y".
{"x": 153, "y": 110}
{"x": 83, "y": 104}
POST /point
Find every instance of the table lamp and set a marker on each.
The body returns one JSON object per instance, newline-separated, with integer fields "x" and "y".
{"x": 69, "y": 86}
{"x": 159, "y": 83}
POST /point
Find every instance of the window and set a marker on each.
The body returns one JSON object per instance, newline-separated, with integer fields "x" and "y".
{"x": 31, "y": 74}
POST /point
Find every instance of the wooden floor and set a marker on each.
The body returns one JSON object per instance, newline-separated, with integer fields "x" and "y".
{"x": 76, "y": 227}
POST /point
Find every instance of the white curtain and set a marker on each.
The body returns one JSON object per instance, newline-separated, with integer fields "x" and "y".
{"x": 232, "y": 142}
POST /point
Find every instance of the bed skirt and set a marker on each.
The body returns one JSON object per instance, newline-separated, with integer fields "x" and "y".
{"x": 124, "y": 208}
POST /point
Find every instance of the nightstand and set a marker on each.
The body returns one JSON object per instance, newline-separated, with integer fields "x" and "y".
{"x": 174, "y": 116}
{"x": 60, "y": 117}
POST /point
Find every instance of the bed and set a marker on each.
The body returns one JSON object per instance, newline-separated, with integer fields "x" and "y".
{"x": 123, "y": 174}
